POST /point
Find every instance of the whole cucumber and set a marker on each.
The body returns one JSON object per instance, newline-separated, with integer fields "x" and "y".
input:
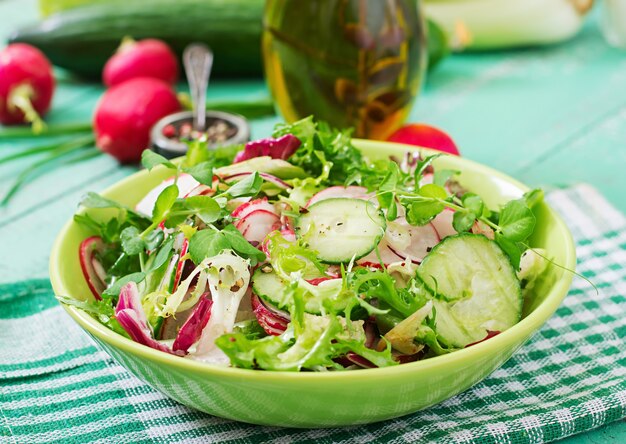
{"x": 82, "y": 39}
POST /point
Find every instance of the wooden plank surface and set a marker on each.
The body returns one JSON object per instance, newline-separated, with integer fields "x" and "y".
{"x": 549, "y": 117}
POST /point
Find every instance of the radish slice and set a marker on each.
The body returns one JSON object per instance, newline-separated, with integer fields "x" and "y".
{"x": 257, "y": 225}
{"x": 339, "y": 191}
{"x": 421, "y": 239}
{"x": 258, "y": 204}
{"x": 191, "y": 330}
{"x": 443, "y": 223}
{"x": 319, "y": 280}
{"x": 273, "y": 321}
{"x": 267, "y": 177}
{"x": 359, "y": 360}
{"x": 185, "y": 183}
{"x": 91, "y": 267}
{"x": 484, "y": 229}
{"x": 181, "y": 264}
{"x": 387, "y": 255}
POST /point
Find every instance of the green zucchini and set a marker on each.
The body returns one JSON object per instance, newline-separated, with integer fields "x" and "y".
{"x": 82, "y": 39}
{"x": 83, "y": 34}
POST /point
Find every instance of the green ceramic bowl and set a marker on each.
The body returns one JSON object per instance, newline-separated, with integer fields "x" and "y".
{"x": 333, "y": 398}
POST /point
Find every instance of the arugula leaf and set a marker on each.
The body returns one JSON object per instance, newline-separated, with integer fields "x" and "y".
{"x": 205, "y": 207}
{"x": 202, "y": 172}
{"x": 94, "y": 200}
{"x": 207, "y": 243}
{"x": 150, "y": 159}
{"x": 249, "y": 186}
{"x": 164, "y": 202}
{"x": 517, "y": 221}
{"x": 102, "y": 310}
{"x": 132, "y": 243}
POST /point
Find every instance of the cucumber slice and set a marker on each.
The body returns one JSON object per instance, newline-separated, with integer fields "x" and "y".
{"x": 476, "y": 288}
{"x": 271, "y": 288}
{"x": 341, "y": 228}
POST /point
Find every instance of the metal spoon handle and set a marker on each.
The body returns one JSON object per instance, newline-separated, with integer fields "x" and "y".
{"x": 198, "y": 60}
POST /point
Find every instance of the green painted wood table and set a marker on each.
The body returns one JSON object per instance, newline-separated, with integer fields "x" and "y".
{"x": 549, "y": 117}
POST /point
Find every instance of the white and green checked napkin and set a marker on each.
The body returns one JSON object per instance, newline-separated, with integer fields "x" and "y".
{"x": 55, "y": 385}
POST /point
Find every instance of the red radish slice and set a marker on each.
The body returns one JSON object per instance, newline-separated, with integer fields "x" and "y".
{"x": 359, "y": 360}
{"x": 387, "y": 255}
{"x": 181, "y": 264}
{"x": 267, "y": 177}
{"x": 185, "y": 184}
{"x": 258, "y": 204}
{"x": 91, "y": 267}
{"x": 257, "y": 225}
{"x": 191, "y": 330}
{"x": 443, "y": 223}
{"x": 319, "y": 280}
{"x": 490, "y": 334}
{"x": 339, "y": 191}
{"x": 484, "y": 229}
{"x": 273, "y": 321}
{"x": 421, "y": 240}
{"x": 427, "y": 179}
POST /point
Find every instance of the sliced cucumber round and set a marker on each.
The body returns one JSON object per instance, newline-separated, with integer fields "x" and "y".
{"x": 475, "y": 286}
{"x": 271, "y": 288}
{"x": 340, "y": 229}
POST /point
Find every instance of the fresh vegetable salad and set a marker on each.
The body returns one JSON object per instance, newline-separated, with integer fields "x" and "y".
{"x": 301, "y": 254}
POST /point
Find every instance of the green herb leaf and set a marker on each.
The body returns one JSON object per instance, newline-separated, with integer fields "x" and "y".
{"x": 242, "y": 246}
{"x": 164, "y": 202}
{"x": 162, "y": 256}
{"x": 114, "y": 290}
{"x": 202, "y": 172}
{"x": 205, "y": 207}
{"x": 511, "y": 249}
{"x": 207, "y": 243}
{"x": 473, "y": 203}
{"x": 150, "y": 159}
{"x": 249, "y": 186}
{"x": 197, "y": 153}
{"x": 434, "y": 191}
{"x": 132, "y": 243}
{"x": 441, "y": 177}
{"x": 517, "y": 221}
{"x": 533, "y": 197}
{"x": 154, "y": 239}
{"x": 94, "y": 200}
{"x": 421, "y": 212}
{"x": 386, "y": 196}
{"x": 462, "y": 221}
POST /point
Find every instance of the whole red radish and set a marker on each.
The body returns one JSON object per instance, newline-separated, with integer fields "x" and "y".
{"x": 144, "y": 58}
{"x": 26, "y": 85}
{"x": 127, "y": 112}
{"x": 426, "y": 136}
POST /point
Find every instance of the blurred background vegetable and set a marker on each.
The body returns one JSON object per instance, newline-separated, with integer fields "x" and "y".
{"x": 26, "y": 86}
{"x": 82, "y": 34}
{"x": 496, "y": 24}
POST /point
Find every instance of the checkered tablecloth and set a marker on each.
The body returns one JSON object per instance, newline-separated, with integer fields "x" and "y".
{"x": 56, "y": 385}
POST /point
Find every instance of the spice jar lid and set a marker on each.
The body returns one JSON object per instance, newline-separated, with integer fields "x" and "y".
{"x": 221, "y": 129}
